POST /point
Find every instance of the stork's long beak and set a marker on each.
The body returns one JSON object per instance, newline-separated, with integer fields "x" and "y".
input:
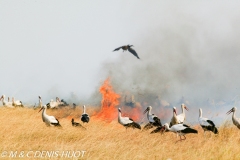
{"x": 40, "y": 109}
{"x": 146, "y": 110}
{"x": 229, "y": 111}
{"x": 162, "y": 129}
{"x": 186, "y": 108}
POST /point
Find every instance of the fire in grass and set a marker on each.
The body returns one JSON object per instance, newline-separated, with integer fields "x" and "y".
{"x": 109, "y": 103}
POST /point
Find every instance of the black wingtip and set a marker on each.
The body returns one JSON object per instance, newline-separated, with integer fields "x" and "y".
{"x": 215, "y": 131}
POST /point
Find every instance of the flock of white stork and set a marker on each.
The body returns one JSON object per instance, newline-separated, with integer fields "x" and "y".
{"x": 176, "y": 124}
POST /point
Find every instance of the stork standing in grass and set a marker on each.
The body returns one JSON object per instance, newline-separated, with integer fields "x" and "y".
{"x": 182, "y": 117}
{"x": 154, "y": 121}
{"x": 16, "y": 103}
{"x": 236, "y": 121}
{"x": 54, "y": 104}
{"x": 206, "y": 124}
{"x": 179, "y": 129}
{"x": 39, "y": 102}
{"x": 85, "y": 117}
{"x": 126, "y": 121}
{"x": 6, "y": 103}
{"x": 49, "y": 120}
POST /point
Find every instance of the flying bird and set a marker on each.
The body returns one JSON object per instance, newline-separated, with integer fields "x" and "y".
{"x": 126, "y": 121}
{"x": 206, "y": 124}
{"x": 128, "y": 47}
{"x": 236, "y": 121}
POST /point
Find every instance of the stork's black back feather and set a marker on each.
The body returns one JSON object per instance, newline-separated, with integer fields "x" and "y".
{"x": 210, "y": 128}
{"x": 56, "y": 124}
{"x": 189, "y": 130}
{"x": 157, "y": 122}
{"x": 158, "y": 129}
{"x": 133, "y": 125}
{"x": 85, "y": 118}
{"x": 210, "y": 122}
{"x": 186, "y": 125}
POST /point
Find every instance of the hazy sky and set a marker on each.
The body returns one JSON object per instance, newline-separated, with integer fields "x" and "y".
{"x": 55, "y": 48}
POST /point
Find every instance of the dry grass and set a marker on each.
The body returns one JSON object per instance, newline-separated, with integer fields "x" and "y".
{"x": 22, "y": 129}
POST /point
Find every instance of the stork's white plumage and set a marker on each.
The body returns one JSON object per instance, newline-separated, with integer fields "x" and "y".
{"x": 206, "y": 124}
{"x": 54, "y": 104}
{"x": 126, "y": 121}
{"x": 16, "y": 103}
{"x": 39, "y": 102}
{"x": 6, "y": 103}
{"x": 182, "y": 117}
{"x": 236, "y": 121}
{"x": 180, "y": 129}
{"x": 152, "y": 118}
{"x": 49, "y": 120}
{"x": 174, "y": 119}
{"x": 85, "y": 117}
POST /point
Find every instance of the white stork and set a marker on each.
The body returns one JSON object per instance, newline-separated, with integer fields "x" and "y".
{"x": 152, "y": 118}
{"x": 236, "y": 121}
{"x": 49, "y": 120}
{"x": 16, "y": 103}
{"x": 206, "y": 124}
{"x": 6, "y": 103}
{"x": 126, "y": 121}
{"x": 179, "y": 129}
{"x": 182, "y": 117}
{"x": 39, "y": 102}
{"x": 85, "y": 117}
{"x": 54, "y": 104}
{"x": 174, "y": 119}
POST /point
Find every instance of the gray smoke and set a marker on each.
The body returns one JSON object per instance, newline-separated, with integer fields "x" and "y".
{"x": 193, "y": 58}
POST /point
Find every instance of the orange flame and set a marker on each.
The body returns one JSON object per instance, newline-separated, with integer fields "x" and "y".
{"x": 110, "y": 100}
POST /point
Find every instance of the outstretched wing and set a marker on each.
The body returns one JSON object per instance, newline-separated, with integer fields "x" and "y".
{"x": 133, "y": 52}
{"x": 117, "y": 49}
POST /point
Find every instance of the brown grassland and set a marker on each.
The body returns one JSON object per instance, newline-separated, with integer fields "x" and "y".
{"x": 22, "y": 129}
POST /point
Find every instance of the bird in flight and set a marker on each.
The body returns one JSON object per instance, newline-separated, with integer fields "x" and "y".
{"x": 128, "y": 47}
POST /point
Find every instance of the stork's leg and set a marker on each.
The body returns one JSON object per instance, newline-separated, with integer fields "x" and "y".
{"x": 184, "y": 137}
{"x": 179, "y": 139}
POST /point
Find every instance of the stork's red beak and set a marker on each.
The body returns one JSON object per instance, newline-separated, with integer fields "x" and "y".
{"x": 162, "y": 129}
{"x": 229, "y": 111}
{"x": 146, "y": 110}
{"x": 40, "y": 109}
{"x": 186, "y": 108}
